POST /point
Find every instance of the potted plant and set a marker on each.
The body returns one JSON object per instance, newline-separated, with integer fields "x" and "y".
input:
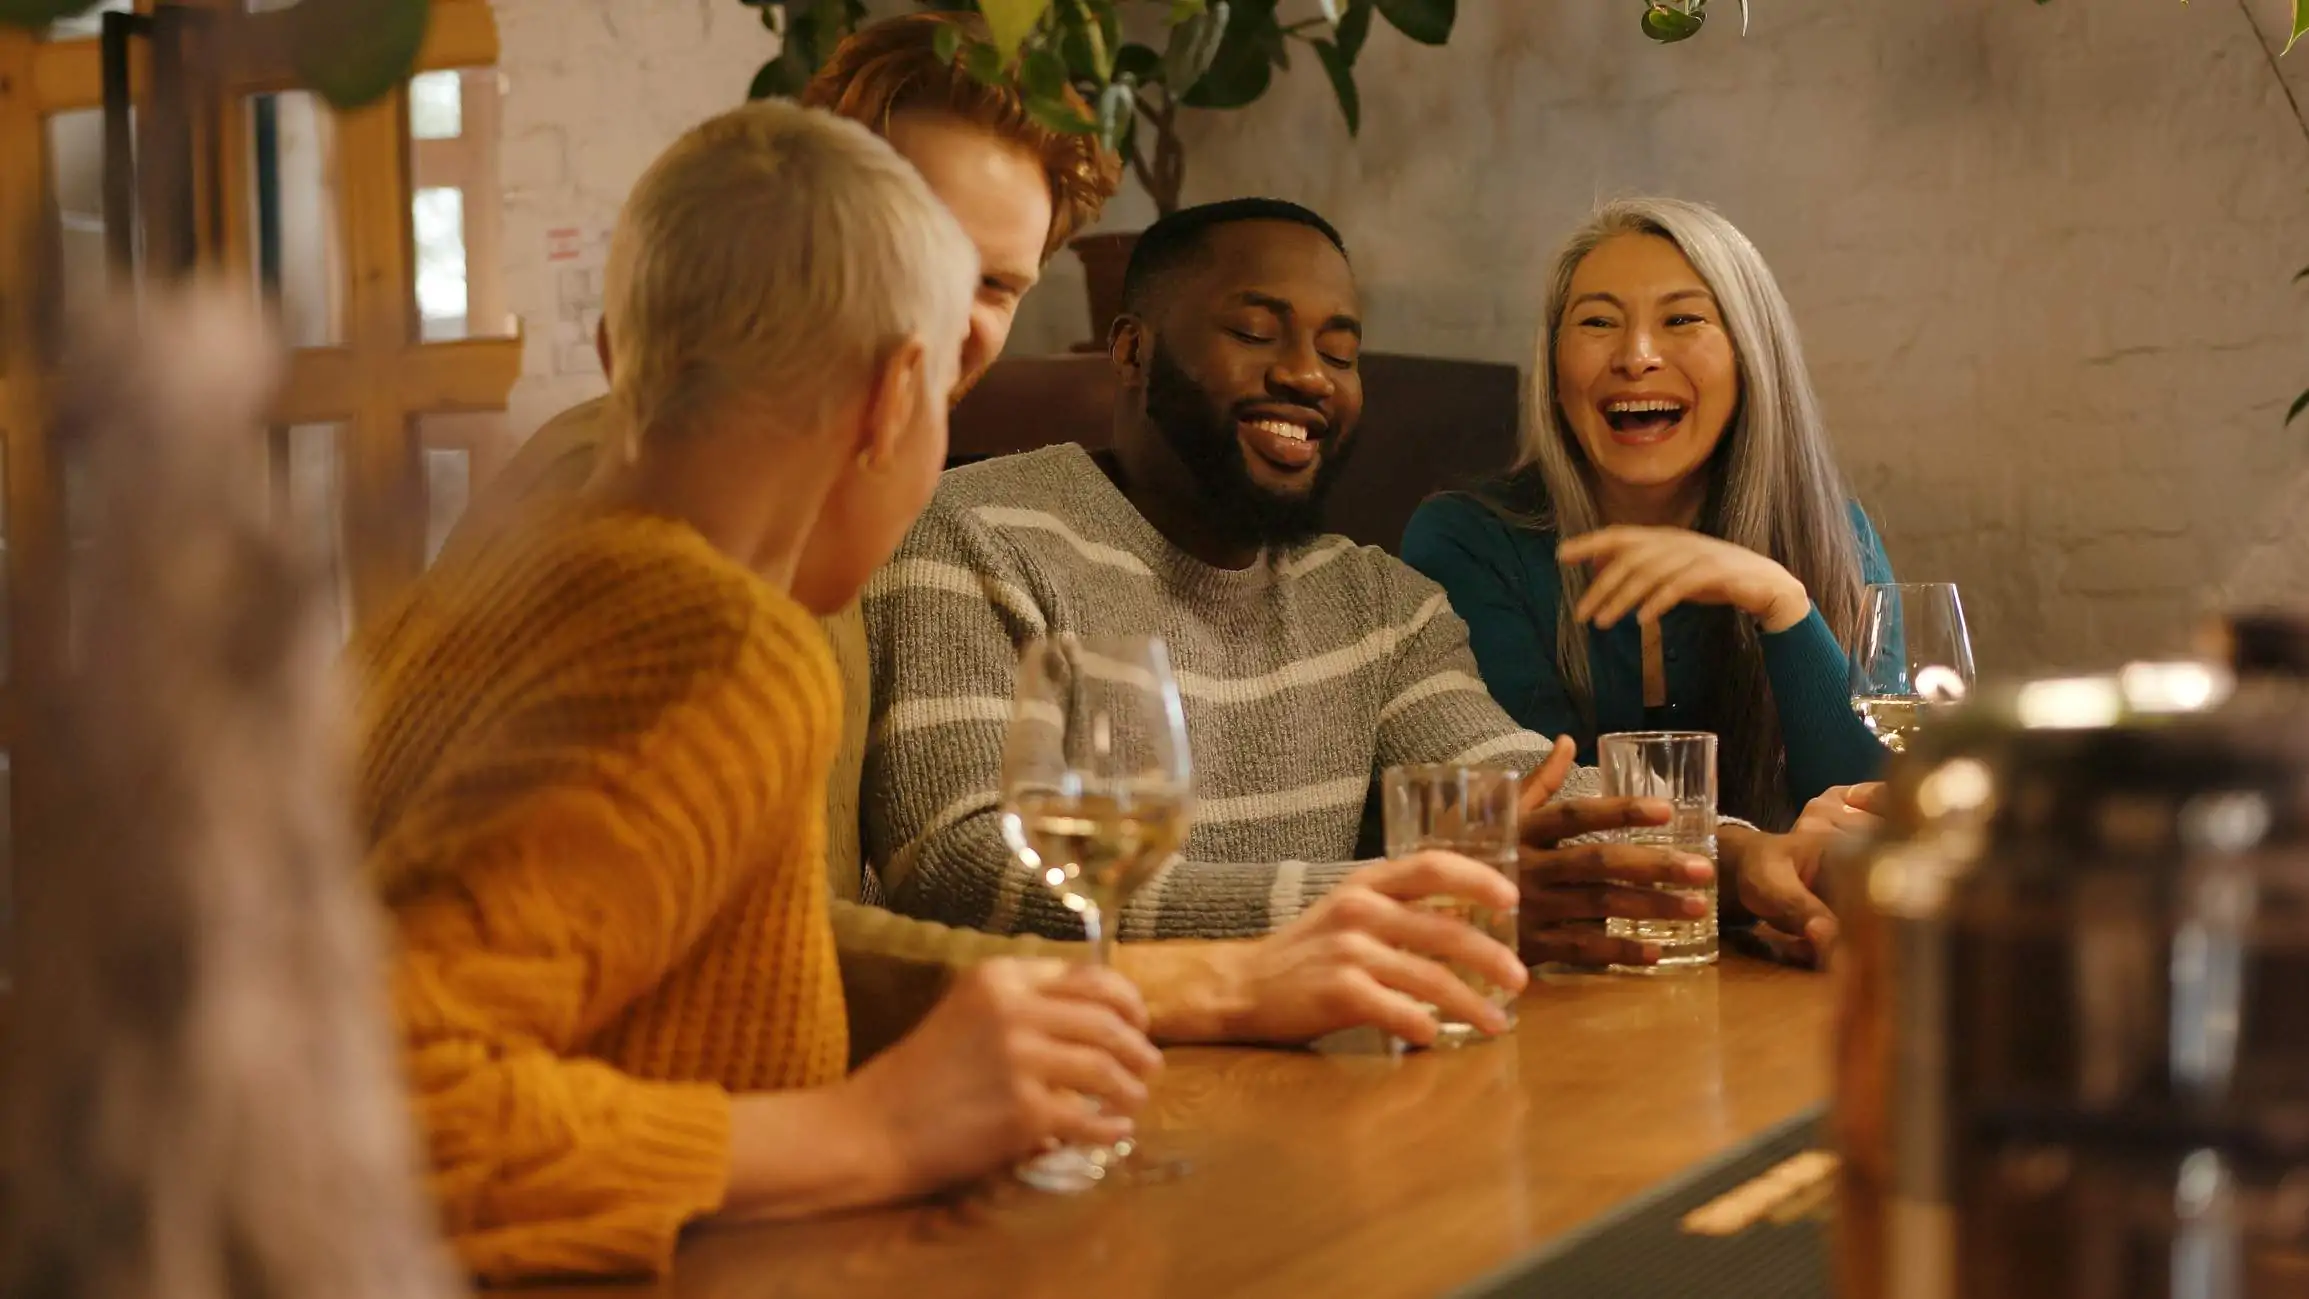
{"x": 1126, "y": 71}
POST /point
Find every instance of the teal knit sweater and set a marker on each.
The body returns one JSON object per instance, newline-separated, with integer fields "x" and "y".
{"x": 1504, "y": 582}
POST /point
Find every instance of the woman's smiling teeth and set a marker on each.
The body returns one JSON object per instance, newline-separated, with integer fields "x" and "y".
{"x": 1643, "y": 418}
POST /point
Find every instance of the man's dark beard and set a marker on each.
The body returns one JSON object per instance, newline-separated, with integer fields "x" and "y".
{"x": 1203, "y": 437}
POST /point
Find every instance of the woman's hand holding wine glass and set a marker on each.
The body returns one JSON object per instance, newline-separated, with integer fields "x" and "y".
{"x": 1097, "y": 793}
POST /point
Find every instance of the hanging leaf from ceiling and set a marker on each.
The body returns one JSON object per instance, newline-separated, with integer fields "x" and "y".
{"x": 1667, "y": 21}
{"x": 351, "y": 52}
{"x": 1428, "y": 22}
{"x": 37, "y": 14}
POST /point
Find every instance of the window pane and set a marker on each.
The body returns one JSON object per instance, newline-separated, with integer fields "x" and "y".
{"x": 314, "y": 501}
{"x": 292, "y": 144}
{"x": 448, "y": 485}
{"x": 76, "y": 168}
{"x": 87, "y": 24}
{"x": 436, "y": 106}
{"x": 438, "y": 217}
{"x": 460, "y": 452}
{"x": 455, "y": 212}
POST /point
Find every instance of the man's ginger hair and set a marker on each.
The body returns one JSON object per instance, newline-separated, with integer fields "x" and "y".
{"x": 889, "y": 67}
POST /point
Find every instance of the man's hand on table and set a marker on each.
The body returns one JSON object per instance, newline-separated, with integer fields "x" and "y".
{"x": 1367, "y": 953}
{"x": 1569, "y": 890}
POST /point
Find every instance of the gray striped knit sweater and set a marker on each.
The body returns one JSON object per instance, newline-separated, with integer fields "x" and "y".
{"x": 1303, "y": 676}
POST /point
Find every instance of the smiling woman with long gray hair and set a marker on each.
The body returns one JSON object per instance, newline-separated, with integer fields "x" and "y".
{"x": 1674, "y": 547}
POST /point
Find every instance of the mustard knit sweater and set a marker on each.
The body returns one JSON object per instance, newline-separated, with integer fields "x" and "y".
{"x": 592, "y": 778}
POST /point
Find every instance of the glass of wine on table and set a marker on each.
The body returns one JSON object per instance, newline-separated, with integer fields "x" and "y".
{"x": 1097, "y": 793}
{"x": 1912, "y": 657}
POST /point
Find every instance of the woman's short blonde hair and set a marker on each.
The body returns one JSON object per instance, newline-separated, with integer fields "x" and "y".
{"x": 770, "y": 261}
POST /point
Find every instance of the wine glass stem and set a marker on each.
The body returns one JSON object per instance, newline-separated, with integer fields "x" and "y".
{"x": 1101, "y": 934}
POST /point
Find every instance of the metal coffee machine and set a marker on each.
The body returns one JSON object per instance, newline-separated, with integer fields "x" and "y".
{"x": 2073, "y": 998}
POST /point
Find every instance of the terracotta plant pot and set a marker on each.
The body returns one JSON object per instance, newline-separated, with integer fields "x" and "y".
{"x": 1105, "y": 258}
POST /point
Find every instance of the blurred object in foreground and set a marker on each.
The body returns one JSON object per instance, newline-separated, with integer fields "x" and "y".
{"x": 201, "y": 1097}
{"x": 2264, "y": 643}
{"x": 2073, "y": 1013}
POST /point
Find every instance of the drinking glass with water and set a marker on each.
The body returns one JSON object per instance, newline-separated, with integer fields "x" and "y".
{"x": 1470, "y": 811}
{"x": 1679, "y": 769}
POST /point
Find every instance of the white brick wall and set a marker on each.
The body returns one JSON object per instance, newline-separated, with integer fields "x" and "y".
{"x": 2040, "y": 255}
{"x": 594, "y": 89}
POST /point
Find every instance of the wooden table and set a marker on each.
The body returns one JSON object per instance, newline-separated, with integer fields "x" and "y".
{"x": 1359, "y": 1176}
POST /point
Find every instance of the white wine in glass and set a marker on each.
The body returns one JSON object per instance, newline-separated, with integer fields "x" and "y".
{"x": 1097, "y": 794}
{"x": 1098, "y": 848}
{"x": 1913, "y": 656}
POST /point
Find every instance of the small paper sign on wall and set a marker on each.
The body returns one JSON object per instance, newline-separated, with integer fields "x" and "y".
{"x": 574, "y": 255}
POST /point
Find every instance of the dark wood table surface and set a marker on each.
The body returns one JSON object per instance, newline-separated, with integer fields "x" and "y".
{"x": 1347, "y": 1175}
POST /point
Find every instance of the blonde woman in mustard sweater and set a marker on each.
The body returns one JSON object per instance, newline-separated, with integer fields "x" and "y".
{"x": 593, "y": 757}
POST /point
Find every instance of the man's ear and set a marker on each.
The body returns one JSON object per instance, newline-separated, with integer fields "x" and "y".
{"x": 894, "y": 398}
{"x": 1128, "y": 345}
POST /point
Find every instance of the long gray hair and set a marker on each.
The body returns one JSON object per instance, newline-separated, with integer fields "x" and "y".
{"x": 1773, "y": 485}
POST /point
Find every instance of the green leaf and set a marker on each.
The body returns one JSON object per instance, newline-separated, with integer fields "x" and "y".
{"x": 1042, "y": 75}
{"x": 780, "y": 78}
{"x": 1089, "y": 39}
{"x": 1342, "y": 74}
{"x": 983, "y": 62}
{"x": 2300, "y": 403}
{"x": 354, "y": 51}
{"x": 1425, "y": 21}
{"x": 1666, "y": 23}
{"x": 799, "y": 41}
{"x": 1194, "y": 46}
{"x": 947, "y": 43}
{"x": 2300, "y": 25}
{"x": 38, "y": 14}
{"x": 1058, "y": 115}
{"x": 1139, "y": 63}
{"x": 1010, "y": 22}
{"x": 1355, "y": 28}
{"x": 1242, "y": 69}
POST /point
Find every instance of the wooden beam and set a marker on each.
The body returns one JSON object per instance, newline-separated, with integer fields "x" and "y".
{"x": 68, "y": 76}
{"x": 320, "y": 387}
{"x": 65, "y": 75}
{"x": 460, "y": 34}
{"x": 383, "y": 477}
{"x": 35, "y": 555}
{"x": 472, "y": 374}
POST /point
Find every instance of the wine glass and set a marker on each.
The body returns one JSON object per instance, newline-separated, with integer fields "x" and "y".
{"x": 1096, "y": 795}
{"x": 1912, "y": 656}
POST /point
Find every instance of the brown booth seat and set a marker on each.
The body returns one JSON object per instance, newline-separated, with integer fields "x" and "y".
{"x": 1428, "y": 425}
